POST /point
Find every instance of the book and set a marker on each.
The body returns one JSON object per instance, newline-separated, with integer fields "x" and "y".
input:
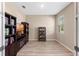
{"x": 6, "y": 31}
{"x": 6, "y": 20}
{"x": 6, "y": 42}
{"x": 11, "y": 40}
{"x": 12, "y": 21}
{"x": 13, "y": 31}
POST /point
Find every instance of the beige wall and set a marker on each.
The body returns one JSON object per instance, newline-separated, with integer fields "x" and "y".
{"x": 13, "y": 10}
{"x": 67, "y": 38}
{"x": 38, "y": 21}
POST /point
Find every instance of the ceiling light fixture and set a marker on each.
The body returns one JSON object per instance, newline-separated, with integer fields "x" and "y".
{"x": 42, "y": 6}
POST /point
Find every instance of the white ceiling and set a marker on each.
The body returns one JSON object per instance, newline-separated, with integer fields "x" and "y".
{"x": 47, "y": 8}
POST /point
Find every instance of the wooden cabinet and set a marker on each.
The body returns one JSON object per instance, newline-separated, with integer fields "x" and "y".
{"x": 42, "y": 33}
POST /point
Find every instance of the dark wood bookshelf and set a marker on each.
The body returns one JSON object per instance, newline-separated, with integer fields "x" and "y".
{"x": 10, "y": 37}
{"x": 42, "y": 33}
{"x": 26, "y": 30}
{"x": 22, "y": 39}
{"x": 13, "y": 41}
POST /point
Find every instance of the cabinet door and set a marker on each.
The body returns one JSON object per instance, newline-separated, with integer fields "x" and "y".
{"x": 7, "y": 51}
{"x": 12, "y": 50}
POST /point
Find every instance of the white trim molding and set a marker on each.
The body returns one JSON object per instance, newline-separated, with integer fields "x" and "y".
{"x": 73, "y": 51}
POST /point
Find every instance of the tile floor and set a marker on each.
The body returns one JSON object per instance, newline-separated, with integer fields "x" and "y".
{"x": 48, "y": 48}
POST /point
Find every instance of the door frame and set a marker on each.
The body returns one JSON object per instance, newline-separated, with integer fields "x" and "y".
{"x": 77, "y": 28}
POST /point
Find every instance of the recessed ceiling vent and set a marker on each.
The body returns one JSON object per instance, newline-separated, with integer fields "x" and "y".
{"x": 23, "y": 7}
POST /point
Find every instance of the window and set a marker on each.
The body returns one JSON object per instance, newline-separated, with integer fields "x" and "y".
{"x": 61, "y": 24}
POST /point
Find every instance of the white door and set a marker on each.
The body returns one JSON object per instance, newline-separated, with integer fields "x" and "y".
{"x": 0, "y": 29}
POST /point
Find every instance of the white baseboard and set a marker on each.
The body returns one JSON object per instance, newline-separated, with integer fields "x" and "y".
{"x": 33, "y": 40}
{"x": 46, "y": 39}
{"x": 50, "y": 39}
{"x": 73, "y": 51}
